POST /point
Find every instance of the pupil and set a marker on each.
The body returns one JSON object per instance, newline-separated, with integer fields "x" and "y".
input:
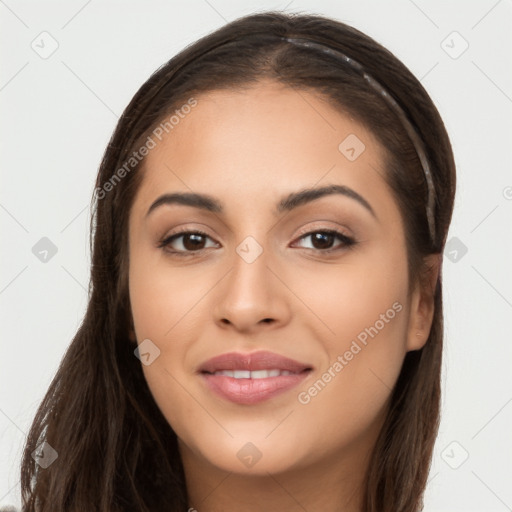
{"x": 325, "y": 240}
{"x": 194, "y": 245}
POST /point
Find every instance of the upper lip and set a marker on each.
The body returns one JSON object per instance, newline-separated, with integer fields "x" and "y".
{"x": 253, "y": 361}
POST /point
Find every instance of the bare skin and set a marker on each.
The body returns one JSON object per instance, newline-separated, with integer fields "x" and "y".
{"x": 249, "y": 149}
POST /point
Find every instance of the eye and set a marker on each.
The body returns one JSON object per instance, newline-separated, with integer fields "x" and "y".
{"x": 185, "y": 242}
{"x": 322, "y": 240}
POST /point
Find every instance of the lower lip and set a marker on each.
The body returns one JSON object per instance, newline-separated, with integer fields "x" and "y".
{"x": 252, "y": 391}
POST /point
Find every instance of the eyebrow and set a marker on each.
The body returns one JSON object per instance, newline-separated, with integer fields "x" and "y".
{"x": 288, "y": 203}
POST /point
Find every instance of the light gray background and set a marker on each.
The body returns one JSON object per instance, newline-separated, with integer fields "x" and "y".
{"x": 59, "y": 112}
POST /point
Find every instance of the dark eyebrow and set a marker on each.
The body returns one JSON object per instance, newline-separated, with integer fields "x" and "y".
{"x": 296, "y": 199}
{"x": 290, "y": 202}
{"x": 202, "y": 201}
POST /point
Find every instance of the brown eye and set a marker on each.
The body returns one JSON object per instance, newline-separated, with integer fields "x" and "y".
{"x": 193, "y": 241}
{"x": 324, "y": 240}
{"x": 185, "y": 242}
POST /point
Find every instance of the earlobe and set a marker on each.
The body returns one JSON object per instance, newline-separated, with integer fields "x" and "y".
{"x": 422, "y": 303}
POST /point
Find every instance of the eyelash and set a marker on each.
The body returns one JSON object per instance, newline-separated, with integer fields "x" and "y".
{"x": 348, "y": 242}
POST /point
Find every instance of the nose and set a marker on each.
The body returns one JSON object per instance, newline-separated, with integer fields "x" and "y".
{"x": 252, "y": 296}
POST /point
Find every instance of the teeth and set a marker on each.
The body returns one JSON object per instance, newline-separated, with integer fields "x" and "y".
{"x": 262, "y": 374}
{"x": 257, "y": 374}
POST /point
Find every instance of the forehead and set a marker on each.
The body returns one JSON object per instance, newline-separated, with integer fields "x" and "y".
{"x": 261, "y": 142}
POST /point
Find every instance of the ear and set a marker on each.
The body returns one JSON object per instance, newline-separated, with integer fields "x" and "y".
{"x": 422, "y": 303}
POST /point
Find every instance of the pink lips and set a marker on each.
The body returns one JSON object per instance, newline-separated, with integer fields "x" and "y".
{"x": 251, "y": 388}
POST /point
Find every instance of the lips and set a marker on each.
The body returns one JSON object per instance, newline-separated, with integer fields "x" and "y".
{"x": 252, "y": 378}
{"x": 252, "y": 362}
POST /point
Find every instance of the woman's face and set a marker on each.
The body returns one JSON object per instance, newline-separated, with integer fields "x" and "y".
{"x": 268, "y": 274}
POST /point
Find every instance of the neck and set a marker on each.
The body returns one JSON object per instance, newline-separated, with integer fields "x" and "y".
{"x": 330, "y": 484}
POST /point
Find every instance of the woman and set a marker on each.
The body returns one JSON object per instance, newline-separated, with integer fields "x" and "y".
{"x": 264, "y": 329}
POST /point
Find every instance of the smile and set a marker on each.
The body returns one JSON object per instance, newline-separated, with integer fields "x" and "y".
{"x": 248, "y": 379}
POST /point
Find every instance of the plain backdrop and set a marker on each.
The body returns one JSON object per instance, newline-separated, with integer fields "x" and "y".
{"x": 68, "y": 71}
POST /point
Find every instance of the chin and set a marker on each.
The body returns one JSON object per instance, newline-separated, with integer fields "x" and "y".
{"x": 246, "y": 455}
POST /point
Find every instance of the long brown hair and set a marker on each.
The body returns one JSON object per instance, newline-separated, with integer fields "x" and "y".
{"x": 115, "y": 449}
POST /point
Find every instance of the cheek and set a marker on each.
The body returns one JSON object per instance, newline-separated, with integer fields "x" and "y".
{"x": 168, "y": 308}
{"x": 364, "y": 319}
{"x": 163, "y": 299}
{"x": 364, "y": 301}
